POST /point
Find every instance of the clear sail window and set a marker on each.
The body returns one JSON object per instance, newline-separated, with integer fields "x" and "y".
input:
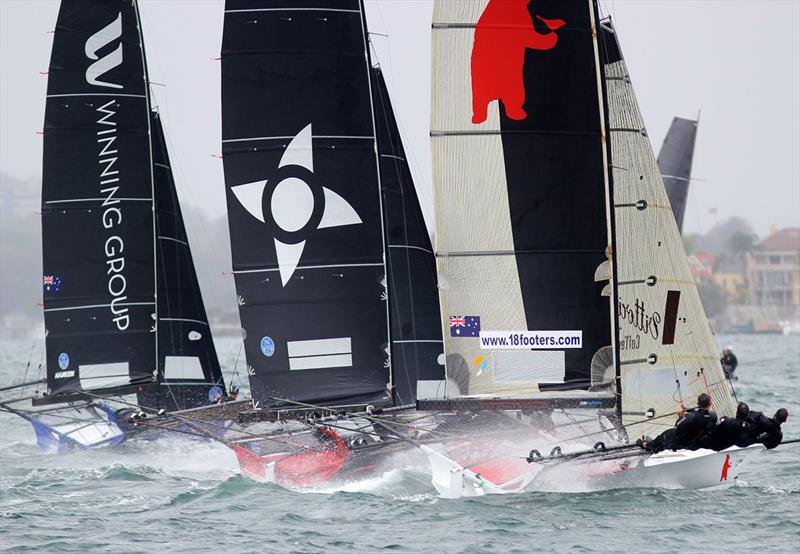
{"x": 182, "y": 368}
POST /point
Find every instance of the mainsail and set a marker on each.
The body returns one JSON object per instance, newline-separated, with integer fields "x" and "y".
{"x": 667, "y": 351}
{"x": 304, "y": 198}
{"x": 413, "y": 301}
{"x": 98, "y": 233}
{"x": 675, "y": 164}
{"x": 522, "y": 214}
{"x": 121, "y": 299}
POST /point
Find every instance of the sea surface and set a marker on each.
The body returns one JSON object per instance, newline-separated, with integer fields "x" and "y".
{"x": 182, "y": 495}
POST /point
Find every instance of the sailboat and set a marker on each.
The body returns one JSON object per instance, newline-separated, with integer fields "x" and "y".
{"x": 123, "y": 309}
{"x": 333, "y": 264}
{"x": 675, "y": 163}
{"x": 575, "y": 238}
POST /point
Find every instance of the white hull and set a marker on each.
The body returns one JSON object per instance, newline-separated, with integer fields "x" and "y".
{"x": 686, "y": 469}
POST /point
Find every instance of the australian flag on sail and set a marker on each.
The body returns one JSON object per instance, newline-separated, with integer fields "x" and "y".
{"x": 51, "y": 283}
{"x": 465, "y": 325}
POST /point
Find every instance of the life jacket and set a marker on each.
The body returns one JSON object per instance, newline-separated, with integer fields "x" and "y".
{"x": 764, "y": 430}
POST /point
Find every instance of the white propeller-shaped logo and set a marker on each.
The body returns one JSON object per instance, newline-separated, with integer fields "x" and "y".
{"x": 292, "y": 203}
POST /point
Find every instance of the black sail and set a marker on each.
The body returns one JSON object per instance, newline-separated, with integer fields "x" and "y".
{"x": 188, "y": 364}
{"x": 97, "y": 202}
{"x": 413, "y": 297}
{"x": 304, "y": 200}
{"x": 675, "y": 164}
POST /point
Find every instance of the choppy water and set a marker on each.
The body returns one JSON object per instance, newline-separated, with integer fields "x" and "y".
{"x": 179, "y": 495}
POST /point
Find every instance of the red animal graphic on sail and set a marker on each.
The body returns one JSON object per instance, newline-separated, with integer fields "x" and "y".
{"x": 504, "y": 31}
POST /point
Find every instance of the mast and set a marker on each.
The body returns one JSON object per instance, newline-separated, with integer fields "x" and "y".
{"x": 146, "y": 79}
{"x": 97, "y": 203}
{"x": 304, "y": 202}
{"x": 601, "y": 57}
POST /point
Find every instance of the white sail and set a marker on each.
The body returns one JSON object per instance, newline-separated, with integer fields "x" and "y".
{"x": 667, "y": 351}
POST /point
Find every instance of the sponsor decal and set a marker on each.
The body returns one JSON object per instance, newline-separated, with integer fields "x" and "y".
{"x": 63, "y": 360}
{"x": 320, "y": 353}
{"x": 64, "y": 374}
{"x": 293, "y": 201}
{"x": 267, "y": 346}
{"x": 591, "y": 403}
{"x": 214, "y": 393}
{"x": 527, "y": 340}
{"x": 465, "y": 325}
{"x": 636, "y": 321}
{"x": 112, "y": 60}
{"x": 112, "y": 214}
{"x": 194, "y": 335}
{"x": 482, "y": 363}
{"x": 504, "y": 32}
{"x": 51, "y": 283}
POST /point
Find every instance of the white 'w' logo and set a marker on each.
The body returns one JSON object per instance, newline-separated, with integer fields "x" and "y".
{"x": 101, "y": 38}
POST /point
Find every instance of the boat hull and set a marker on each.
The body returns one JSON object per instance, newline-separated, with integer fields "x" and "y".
{"x": 700, "y": 469}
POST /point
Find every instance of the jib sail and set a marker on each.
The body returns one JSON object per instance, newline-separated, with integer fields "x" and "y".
{"x": 667, "y": 353}
{"x": 521, "y": 195}
{"x": 413, "y": 300}
{"x": 304, "y": 191}
{"x": 97, "y": 202}
{"x": 675, "y": 164}
{"x": 188, "y": 364}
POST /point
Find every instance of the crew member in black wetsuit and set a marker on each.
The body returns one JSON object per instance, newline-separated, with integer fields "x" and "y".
{"x": 689, "y": 431}
{"x": 729, "y": 362}
{"x": 766, "y": 430}
{"x": 729, "y": 431}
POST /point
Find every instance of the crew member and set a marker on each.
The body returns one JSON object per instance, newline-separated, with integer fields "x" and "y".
{"x": 729, "y": 362}
{"x": 730, "y": 431}
{"x": 689, "y": 431}
{"x": 765, "y": 430}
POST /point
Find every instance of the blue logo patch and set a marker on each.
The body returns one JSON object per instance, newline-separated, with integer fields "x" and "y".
{"x": 267, "y": 346}
{"x": 63, "y": 360}
{"x": 214, "y": 394}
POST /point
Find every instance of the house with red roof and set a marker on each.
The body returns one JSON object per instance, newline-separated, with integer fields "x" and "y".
{"x": 774, "y": 269}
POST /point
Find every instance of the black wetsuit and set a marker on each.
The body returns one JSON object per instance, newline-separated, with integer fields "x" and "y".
{"x": 763, "y": 429}
{"x": 729, "y": 432}
{"x": 729, "y": 363}
{"x": 688, "y": 433}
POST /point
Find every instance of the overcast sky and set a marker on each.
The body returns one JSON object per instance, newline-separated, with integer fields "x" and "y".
{"x": 736, "y": 61}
